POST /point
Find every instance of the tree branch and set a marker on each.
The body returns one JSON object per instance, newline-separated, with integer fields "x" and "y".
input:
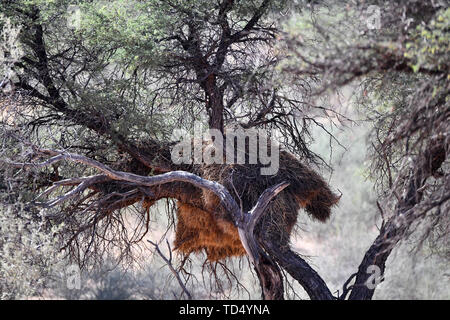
{"x": 168, "y": 261}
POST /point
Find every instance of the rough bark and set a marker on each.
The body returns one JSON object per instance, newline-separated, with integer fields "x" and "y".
{"x": 301, "y": 271}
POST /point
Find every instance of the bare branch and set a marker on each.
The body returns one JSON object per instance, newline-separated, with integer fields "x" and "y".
{"x": 168, "y": 261}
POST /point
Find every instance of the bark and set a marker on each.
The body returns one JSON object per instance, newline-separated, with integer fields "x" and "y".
{"x": 300, "y": 270}
{"x": 269, "y": 274}
{"x": 214, "y": 103}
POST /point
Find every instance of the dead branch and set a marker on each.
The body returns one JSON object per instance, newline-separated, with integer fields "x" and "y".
{"x": 267, "y": 270}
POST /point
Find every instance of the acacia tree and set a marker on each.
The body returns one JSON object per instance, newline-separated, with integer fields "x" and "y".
{"x": 401, "y": 68}
{"x": 106, "y": 92}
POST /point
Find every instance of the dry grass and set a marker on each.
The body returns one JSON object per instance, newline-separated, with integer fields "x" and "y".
{"x": 211, "y": 229}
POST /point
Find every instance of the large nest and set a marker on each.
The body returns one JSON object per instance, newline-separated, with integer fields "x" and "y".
{"x": 211, "y": 230}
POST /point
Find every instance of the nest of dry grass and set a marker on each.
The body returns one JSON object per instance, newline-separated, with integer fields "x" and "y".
{"x": 211, "y": 230}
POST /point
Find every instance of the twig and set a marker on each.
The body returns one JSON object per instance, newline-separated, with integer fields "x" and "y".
{"x": 168, "y": 261}
{"x": 345, "y": 288}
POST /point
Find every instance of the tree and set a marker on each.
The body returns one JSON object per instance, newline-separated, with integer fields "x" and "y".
{"x": 107, "y": 91}
{"x": 404, "y": 91}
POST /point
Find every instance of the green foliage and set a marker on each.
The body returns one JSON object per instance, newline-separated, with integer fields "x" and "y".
{"x": 429, "y": 45}
{"x": 130, "y": 28}
{"x": 29, "y": 255}
{"x": 11, "y": 49}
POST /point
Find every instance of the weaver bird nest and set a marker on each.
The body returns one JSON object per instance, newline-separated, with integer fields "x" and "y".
{"x": 212, "y": 230}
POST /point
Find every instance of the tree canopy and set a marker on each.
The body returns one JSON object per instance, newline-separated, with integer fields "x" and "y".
{"x": 92, "y": 92}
